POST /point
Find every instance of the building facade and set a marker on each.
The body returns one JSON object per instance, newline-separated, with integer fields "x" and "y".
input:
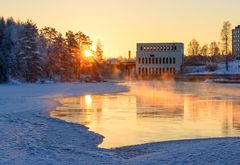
{"x": 157, "y": 59}
{"x": 236, "y": 41}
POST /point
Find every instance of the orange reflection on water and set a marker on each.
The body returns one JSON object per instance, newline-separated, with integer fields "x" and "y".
{"x": 88, "y": 101}
{"x": 157, "y": 111}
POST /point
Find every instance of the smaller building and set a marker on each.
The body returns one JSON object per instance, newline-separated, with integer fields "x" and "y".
{"x": 157, "y": 59}
{"x": 236, "y": 41}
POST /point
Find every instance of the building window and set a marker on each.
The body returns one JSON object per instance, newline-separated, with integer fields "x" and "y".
{"x": 146, "y": 60}
{"x": 174, "y": 48}
{"x": 163, "y": 60}
{"x": 146, "y": 71}
{"x": 174, "y": 70}
{"x": 150, "y": 61}
{"x": 163, "y": 70}
{"x": 160, "y": 60}
{"x": 156, "y": 60}
{"x": 142, "y": 60}
{"x": 139, "y": 70}
{"x": 153, "y": 60}
{"x": 170, "y": 60}
{"x": 143, "y": 71}
{"x": 139, "y": 60}
{"x": 167, "y": 60}
{"x": 174, "y": 60}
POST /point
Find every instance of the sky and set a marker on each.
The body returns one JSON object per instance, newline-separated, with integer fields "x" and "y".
{"x": 120, "y": 24}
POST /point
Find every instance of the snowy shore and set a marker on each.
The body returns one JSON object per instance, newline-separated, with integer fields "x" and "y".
{"x": 30, "y": 136}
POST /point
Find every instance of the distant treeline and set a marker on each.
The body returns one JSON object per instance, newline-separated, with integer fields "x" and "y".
{"x": 28, "y": 54}
{"x": 215, "y": 52}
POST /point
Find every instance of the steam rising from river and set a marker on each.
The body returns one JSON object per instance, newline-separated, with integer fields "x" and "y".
{"x": 157, "y": 111}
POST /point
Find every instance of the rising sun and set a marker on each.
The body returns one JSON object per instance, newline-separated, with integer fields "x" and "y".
{"x": 88, "y": 53}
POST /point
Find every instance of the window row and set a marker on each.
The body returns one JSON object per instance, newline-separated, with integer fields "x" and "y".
{"x": 158, "y": 48}
{"x": 236, "y": 32}
{"x": 156, "y": 71}
{"x": 236, "y": 40}
{"x": 153, "y": 60}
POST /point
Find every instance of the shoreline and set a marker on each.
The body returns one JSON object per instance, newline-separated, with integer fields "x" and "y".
{"x": 26, "y": 128}
{"x": 58, "y": 142}
{"x": 134, "y": 145}
{"x": 191, "y": 77}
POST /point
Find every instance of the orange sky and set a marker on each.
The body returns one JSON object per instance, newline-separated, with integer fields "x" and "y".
{"x": 120, "y": 24}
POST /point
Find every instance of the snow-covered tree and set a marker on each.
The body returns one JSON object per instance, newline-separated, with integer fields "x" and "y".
{"x": 29, "y": 56}
{"x": 3, "y": 65}
{"x": 54, "y": 46}
{"x": 28, "y": 59}
{"x": 11, "y": 35}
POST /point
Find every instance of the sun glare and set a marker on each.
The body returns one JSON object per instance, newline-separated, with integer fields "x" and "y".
{"x": 88, "y": 100}
{"x": 88, "y": 53}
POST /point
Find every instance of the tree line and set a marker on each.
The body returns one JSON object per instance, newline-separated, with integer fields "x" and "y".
{"x": 214, "y": 48}
{"x": 29, "y": 54}
{"x": 213, "y": 52}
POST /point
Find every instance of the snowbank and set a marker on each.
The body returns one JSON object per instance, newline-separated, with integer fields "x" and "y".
{"x": 29, "y": 136}
{"x": 234, "y": 68}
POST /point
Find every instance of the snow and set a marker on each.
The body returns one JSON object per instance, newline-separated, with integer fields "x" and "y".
{"x": 234, "y": 68}
{"x": 205, "y": 151}
{"x": 30, "y": 136}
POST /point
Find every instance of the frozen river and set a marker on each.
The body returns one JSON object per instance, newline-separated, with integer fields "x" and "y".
{"x": 157, "y": 111}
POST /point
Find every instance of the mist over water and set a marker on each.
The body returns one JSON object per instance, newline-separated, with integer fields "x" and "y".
{"x": 155, "y": 111}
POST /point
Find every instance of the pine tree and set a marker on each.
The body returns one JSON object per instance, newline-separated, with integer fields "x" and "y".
{"x": 54, "y": 46}
{"x": 3, "y": 64}
{"x": 72, "y": 56}
{"x": 84, "y": 64}
{"x": 27, "y": 56}
{"x": 28, "y": 59}
{"x": 2, "y": 29}
{"x": 9, "y": 43}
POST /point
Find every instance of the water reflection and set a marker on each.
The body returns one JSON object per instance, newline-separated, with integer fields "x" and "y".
{"x": 157, "y": 111}
{"x": 79, "y": 109}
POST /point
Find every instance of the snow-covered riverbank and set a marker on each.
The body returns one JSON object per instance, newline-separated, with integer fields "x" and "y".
{"x": 29, "y": 136}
